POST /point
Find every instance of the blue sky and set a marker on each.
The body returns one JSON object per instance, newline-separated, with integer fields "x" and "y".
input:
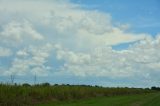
{"x": 93, "y": 42}
{"x": 142, "y": 15}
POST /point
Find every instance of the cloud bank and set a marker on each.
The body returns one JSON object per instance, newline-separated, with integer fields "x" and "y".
{"x": 37, "y": 34}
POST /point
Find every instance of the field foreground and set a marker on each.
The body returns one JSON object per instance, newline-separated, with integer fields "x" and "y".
{"x": 152, "y": 99}
{"x": 75, "y": 95}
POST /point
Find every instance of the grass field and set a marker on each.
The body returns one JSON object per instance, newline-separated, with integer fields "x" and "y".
{"x": 73, "y": 95}
{"x": 152, "y": 99}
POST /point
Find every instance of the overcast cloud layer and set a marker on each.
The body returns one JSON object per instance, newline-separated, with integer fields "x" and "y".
{"x": 58, "y": 37}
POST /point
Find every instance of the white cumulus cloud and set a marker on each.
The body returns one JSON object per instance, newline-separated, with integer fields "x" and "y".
{"x": 41, "y": 34}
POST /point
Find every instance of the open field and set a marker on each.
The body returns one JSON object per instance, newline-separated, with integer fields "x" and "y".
{"x": 152, "y": 99}
{"x": 27, "y": 95}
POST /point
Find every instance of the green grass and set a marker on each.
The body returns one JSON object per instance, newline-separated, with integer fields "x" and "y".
{"x": 152, "y": 99}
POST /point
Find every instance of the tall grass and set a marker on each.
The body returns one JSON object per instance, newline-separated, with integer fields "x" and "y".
{"x": 25, "y": 95}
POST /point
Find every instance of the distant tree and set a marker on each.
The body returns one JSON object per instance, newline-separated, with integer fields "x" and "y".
{"x": 155, "y": 88}
{"x": 45, "y": 84}
{"x": 55, "y": 84}
{"x": 68, "y": 85}
{"x": 96, "y": 86}
{"x": 26, "y": 85}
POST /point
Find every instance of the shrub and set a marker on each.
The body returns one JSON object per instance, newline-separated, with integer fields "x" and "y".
{"x": 26, "y": 85}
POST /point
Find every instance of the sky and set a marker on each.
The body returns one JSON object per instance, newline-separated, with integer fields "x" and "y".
{"x": 114, "y": 43}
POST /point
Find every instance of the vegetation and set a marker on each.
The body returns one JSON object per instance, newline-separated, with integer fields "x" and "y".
{"x": 149, "y": 99}
{"x": 28, "y": 95}
{"x": 155, "y": 88}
